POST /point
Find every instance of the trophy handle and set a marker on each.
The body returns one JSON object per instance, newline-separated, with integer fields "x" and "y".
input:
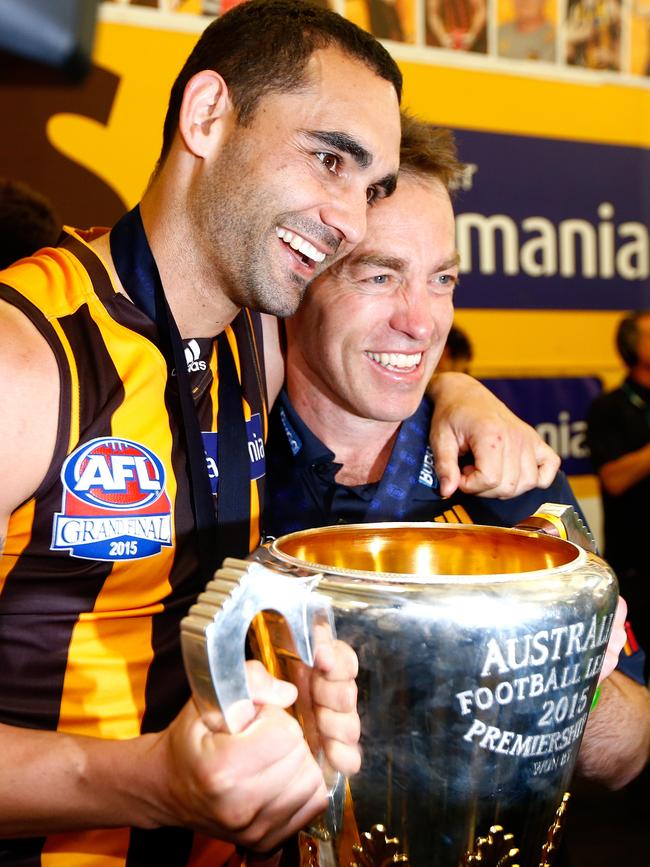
{"x": 213, "y": 640}
{"x": 562, "y": 521}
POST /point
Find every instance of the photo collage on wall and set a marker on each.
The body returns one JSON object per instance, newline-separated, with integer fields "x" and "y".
{"x": 605, "y": 35}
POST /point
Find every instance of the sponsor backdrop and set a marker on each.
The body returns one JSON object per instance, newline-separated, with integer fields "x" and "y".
{"x": 547, "y": 224}
{"x": 556, "y": 406}
{"x": 553, "y": 212}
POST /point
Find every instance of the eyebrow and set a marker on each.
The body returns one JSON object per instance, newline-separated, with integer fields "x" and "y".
{"x": 454, "y": 261}
{"x": 344, "y": 143}
{"x": 387, "y": 184}
{"x": 394, "y": 263}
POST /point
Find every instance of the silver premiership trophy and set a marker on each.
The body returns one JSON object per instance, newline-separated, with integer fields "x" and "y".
{"x": 479, "y": 652}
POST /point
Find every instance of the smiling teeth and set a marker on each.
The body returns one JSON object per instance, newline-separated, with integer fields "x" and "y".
{"x": 397, "y": 360}
{"x": 300, "y": 245}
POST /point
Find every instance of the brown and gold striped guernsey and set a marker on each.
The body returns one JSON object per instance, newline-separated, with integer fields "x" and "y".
{"x": 99, "y": 565}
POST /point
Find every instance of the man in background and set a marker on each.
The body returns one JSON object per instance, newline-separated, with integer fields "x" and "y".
{"x": 457, "y": 353}
{"x": 618, "y": 434}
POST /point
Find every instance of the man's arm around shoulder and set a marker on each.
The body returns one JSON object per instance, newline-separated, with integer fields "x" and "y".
{"x": 509, "y": 455}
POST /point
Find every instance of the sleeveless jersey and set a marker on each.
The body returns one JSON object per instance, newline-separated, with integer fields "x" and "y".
{"x": 100, "y": 565}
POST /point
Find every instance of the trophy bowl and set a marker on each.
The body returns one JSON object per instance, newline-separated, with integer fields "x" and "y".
{"x": 479, "y": 652}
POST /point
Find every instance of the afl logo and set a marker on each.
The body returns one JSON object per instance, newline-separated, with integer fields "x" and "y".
{"x": 114, "y": 473}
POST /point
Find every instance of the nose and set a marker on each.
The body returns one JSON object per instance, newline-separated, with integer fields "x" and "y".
{"x": 414, "y": 312}
{"x": 346, "y": 214}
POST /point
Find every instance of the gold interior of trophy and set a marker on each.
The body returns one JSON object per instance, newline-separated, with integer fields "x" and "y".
{"x": 420, "y": 549}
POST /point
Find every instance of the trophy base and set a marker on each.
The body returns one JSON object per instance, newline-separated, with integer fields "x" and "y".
{"x": 376, "y": 848}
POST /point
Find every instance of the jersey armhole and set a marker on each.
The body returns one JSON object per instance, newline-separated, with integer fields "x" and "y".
{"x": 46, "y": 329}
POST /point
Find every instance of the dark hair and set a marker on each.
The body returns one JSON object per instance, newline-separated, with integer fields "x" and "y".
{"x": 627, "y": 336}
{"x": 263, "y": 46}
{"x": 27, "y": 221}
{"x": 430, "y": 151}
{"x": 458, "y": 344}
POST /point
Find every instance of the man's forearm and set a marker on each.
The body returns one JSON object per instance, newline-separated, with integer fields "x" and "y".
{"x": 52, "y": 782}
{"x": 616, "y": 744}
{"x": 620, "y": 475}
{"x": 254, "y": 788}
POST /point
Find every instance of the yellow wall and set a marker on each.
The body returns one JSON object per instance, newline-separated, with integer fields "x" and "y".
{"x": 125, "y": 151}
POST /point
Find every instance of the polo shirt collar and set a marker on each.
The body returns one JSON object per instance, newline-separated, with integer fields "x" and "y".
{"x": 308, "y": 450}
{"x": 305, "y": 446}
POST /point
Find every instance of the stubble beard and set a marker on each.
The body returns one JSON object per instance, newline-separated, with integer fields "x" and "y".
{"x": 243, "y": 248}
{"x": 265, "y": 297}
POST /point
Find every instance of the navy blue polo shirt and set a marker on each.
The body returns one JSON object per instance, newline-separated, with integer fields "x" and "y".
{"x": 302, "y": 490}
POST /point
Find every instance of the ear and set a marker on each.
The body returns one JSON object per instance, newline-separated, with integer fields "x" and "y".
{"x": 205, "y": 107}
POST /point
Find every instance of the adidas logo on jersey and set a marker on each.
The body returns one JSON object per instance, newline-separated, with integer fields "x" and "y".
{"x": 193, "y": 357}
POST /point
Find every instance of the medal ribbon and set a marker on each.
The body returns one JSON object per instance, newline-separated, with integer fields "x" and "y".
{"x": 224, "y": 532}
{"x": 391, "y": 499}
